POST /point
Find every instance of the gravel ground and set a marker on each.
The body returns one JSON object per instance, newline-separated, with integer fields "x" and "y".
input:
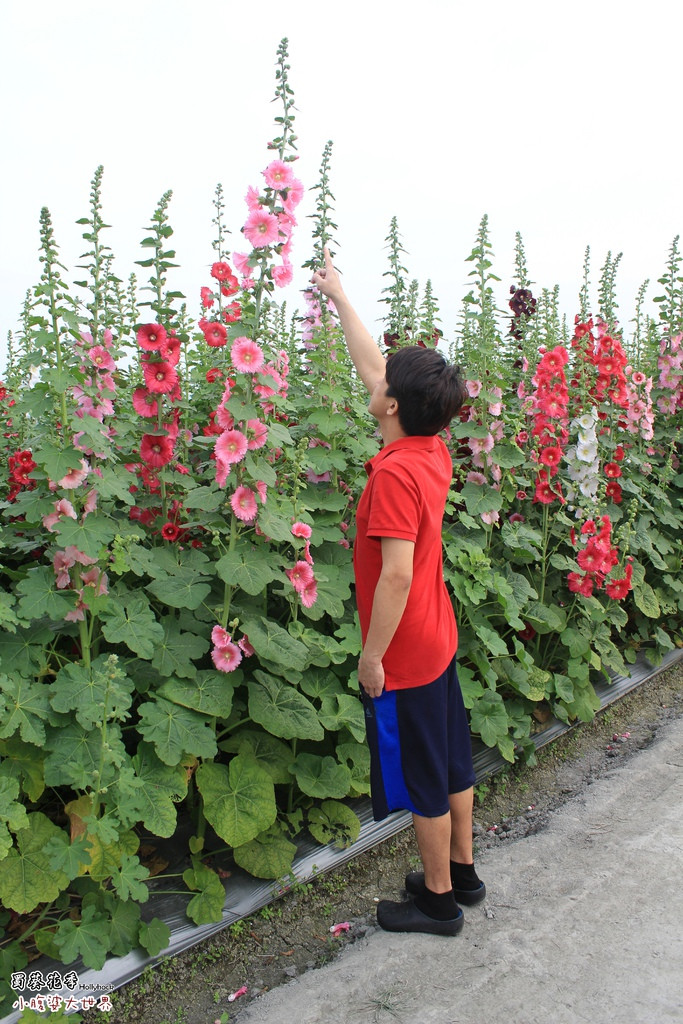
{"x": 291, "y": 937}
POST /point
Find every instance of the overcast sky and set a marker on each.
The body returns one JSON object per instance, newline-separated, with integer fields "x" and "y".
{"x": 558, "y": 120}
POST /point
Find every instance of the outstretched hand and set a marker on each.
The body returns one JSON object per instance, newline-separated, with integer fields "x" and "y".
{"x": 327, "y": 279}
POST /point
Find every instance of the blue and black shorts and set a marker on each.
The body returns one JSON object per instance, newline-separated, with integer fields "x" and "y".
{"x": 420, "y": 747}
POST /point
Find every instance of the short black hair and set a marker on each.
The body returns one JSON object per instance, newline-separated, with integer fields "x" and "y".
{"x": 428, "y": 389}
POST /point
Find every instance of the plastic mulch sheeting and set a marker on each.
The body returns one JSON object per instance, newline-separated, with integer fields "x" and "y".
{"x": 245, "y": 894}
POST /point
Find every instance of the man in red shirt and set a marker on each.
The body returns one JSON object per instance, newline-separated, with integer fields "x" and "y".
{"x": 421, "y": 758}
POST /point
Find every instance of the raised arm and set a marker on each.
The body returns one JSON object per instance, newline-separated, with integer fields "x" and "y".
{"x": 362, "y": 347}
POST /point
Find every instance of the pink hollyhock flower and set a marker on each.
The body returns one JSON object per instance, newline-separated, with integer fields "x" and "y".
{"x": 475, "y": 478}
{"x": 261, "y": 490}
{"x": 283, "y": 275}
{"x": 227, "y": 658}
{"x": 473, "y": 388}
{"x": 261, "y": 228}
{"x": 278, "y": 175}
{"x": 490, "y": 517}
{"x": 295, "y": 194}
{"x": 638, "y": 378}
{"x": 90, "y": 503}
{"x": 75, "y": 477}
{"x": 248, "y": 284}
{"x": 150, "y": 336}
{"x": 221, "y": 271}
{"x": 207, "y": 298}
{"x": 63, "y": 507}
{"x": 231, "y": 446}
{"x": 246, "y": 355}
{"x": 241, "y": 261}
{"x": 235, "y": 995}
{"x": 144, "y": 403}
{"x": 301, "y": 576}
{"x": 245, "y": 647}
{"x": 309, "y": 595}
{"x": 222, "y": 473}
{"x": 257, "y": 433}
{"x": 253, "y": 198}
{"x": 220, "y": 637}
{"x": 300, "y": 529}
{"x": 338, "y": 929}
{"x": 160, "y": 377}
{"x": 76, "y": 614}
{"x": 156, "y": 451}
{"x": 243, "y": 504}
{"x": 102, "y": 359}
{"x": 96, "y": 578}
{"x": 224, "y": 417}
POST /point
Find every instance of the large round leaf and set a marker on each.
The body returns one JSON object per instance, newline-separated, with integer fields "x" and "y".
{"x": 239, "y": 800}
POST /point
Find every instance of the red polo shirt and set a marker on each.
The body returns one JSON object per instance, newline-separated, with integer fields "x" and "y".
{"x": 408, "y": 483}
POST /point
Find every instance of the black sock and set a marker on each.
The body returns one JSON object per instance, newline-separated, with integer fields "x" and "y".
{"x": 463, "y": 876}
{"x": 439, "y": 905}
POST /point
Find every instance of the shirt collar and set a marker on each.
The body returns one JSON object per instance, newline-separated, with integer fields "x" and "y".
{"x": 411, "y": 442}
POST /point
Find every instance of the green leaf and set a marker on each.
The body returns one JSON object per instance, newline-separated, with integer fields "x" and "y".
{"x": 87, "y": 939}
{"x": 76, "y": 755}
{"x": 23, "y": 762}
{"x": 27, "y": 879}
{"x": 356, "y": 756}
{"x": 162, "y": 787}
{"x": 129, "y": 879}
{"x": 40, "y": 596}
{"x": 546, "y": 618}
{"x": 319, "y": 684}
{"x": 207, "y": 906}
{"x": 26, "y": 709}
{"x": 344, "y": 710}
{"x": 176, "y": 653}
{"x": 175, "y": 731}
{"x": 205, "y": 499}
{"x": 156, "y": 935}
{"x": 481, "y": 498}
{"x": 57, "y": 462}
{"x": 507, "y": 455}
{"x": 334, "y": 822}
{"x": 269, "y": 855}
{"x": 124, "y": 923}
{"x": 646, "y": 600}
{"x": 24, "y": 652}
{"x": 68, "y": 857}
{"x": 186, "y": 590}
{"x": 281, "y": 709}
{"x": 252, "y": 571}
{"x": 495, "y": 644}
{"x": 577, "y": 643}
{"x": 95, "y": 694}
{"x": 95, "y": 532}
{"x": 8, "y": 619}
{"x": 239, "y": 800}
{"x": 131, "y": 621}
{"x": 209, "y": 692}
{"x": 321, "y": 776}
{"x": 272, "y": 642}
{"x": 271, "y": 754}
{"x": 11, "y": 810}
{"x": 489, "y": 719}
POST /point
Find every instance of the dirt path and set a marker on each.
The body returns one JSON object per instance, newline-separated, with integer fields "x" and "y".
{"x": 568, "y": 849}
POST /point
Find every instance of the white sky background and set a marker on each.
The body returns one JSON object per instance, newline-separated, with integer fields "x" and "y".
{"x": 560, "y": 120}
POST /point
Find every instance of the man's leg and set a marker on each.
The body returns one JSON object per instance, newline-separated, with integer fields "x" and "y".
{"x": 461, "y": 826}
{"x": 434, "y": 842}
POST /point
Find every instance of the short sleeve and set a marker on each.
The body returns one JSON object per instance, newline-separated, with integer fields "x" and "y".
{"x": 395, "y": 504}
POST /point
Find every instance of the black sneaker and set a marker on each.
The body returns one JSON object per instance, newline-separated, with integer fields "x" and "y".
{"x": 406, "y": 917}
{"x": 415, "y": 884}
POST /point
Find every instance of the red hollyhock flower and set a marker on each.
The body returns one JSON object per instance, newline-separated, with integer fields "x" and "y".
{"x": 618, "y": 453}
{"x": 213, "y": 374}
{"x": 612, "y": 470}
{"x": 230, "y": 285}
{"x": 215, "y": 334}
{"x": 150, "y": 336}
{"x": 232, "y": 313}
{"x": 169, "y": 531}
{"x": 206, "y": 297}
{"x": 613, "y": 492}
{"x": 156, "y": 451}
{"x": 145, "y": 403}
{"x": 160, "y": 377}
{"x": 221, "y": 271}
{"x": 170, "y": 349}
{"x": 579, "y": 584}
{"x": 551, "y": 456}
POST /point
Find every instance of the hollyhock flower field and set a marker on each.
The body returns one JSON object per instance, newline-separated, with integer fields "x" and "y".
{"x": 179, "y": 639}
